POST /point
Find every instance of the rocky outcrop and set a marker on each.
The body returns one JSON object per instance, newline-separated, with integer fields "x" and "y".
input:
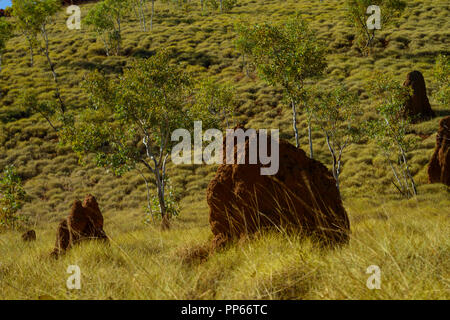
{"x": 439, "y": 166}
{"x": 418, "y": 106}
{"x": 301, "y": 197}
{"x": 84, "y": 222}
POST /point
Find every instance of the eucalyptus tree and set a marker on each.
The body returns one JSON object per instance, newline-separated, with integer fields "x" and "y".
{"x": 35, "y": 16}
{"x": 336, "y": 113}
{"x": 286, "y": 55}
{"x": 365, "y": 26}
{"x": 390, "y": 129}
{"x": 130, "y": 119}
{"x": 21, "y": 10}
{"x": 12, "y": 196}
{"x": 105, "y": 18}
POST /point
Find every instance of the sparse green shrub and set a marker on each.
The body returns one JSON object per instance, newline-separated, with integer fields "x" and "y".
{"x": 21, "y": 11}
{"x": 11, "y": 198}
{"x": 357, "y": 17}
{"x": 35, "y": 17}
{"x": 222, "y": 5}
{"x": 390, "y": 130}
{"x": 105, "y": 19}
{"x": 172, "y": 203}
{"x": 442, "y": 77}
{"x": 336, "y": 114}
{"x": 219, "y": 99}
{"x": 46, "y": 108}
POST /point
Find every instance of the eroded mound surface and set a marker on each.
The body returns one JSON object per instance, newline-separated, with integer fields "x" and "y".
{"x": 439, "y": 166}
{"x": 85, "y": 221}
{"x": 301, "y": 196}
{"x": 418, "y": 106}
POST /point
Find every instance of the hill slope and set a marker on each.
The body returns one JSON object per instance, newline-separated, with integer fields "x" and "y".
{"x": 406, "y": 238}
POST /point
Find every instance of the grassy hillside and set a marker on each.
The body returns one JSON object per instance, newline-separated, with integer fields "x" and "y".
{"x": 406, "y": 238}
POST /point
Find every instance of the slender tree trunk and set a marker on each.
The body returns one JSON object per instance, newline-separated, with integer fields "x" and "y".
{"x": 336, "y": 162}
{"x": 413, "y": 183}
{"x": 311, "y": 151}
{"x": 144, "y": 22}
{"x": 138, "y": 15}
{"x": 147, "y": 186}
{"x": 30, "y": 44}
{"x": 49, "y": 121}
{"x": 162, "y": 202}
{"x": 400, "y": 184}
{"x": 106, "y": 46}
{"x": 119, "y": 39}
{"x": 153, "y": 13}
{"x": 0, "y": 62}
{"x": 244, "y": 63}
{"x": 221, "y": 5}
{"x": 294, "y": 123}
{"x": 52, "y": 69}
{"x": 159, "y": 172}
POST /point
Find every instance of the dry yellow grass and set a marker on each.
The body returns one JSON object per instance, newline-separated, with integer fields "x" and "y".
{"x": 407, "y": 240}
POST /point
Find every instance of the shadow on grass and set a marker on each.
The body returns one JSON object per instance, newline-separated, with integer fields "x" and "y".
{"x": 104, "y": 68}
{"x": 442, "y": 112}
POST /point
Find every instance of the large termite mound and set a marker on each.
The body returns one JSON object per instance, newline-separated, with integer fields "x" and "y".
{"x": 85, "y": 221}
{"x": 439, "y": 166}
{"x": 301, "y": 196}
{"x": 418, "y": 106}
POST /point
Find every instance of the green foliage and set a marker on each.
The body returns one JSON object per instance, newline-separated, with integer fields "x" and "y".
{"x": 222, "y": 5}
{"x": 26, "y": 23}
{"x": 46, "y": 108}
{"x": 357, "y": 17}
{"x": 34, "y": 15}
{"x": 219, "y": 99}
{"x": 105, "y": 19}
{"x": 102, "y": 24}
{"x": 6, "y": 33}
{"x": 172, "y": 203}
{"x": 33, "y": 18}
{"x": 285, "y": 55}
{"x": 11, "y": 197}
{"x": 337, "y": 114}
{"x": 442, "y": 77}
{"x": 130, "y": 119}
{"x": 390, "y": 130}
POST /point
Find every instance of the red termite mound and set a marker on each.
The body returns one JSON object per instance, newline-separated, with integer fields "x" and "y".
{"x": 30, "y": 235}
{"x": 439, "y": 166}
{"x": 418, "y": 106}
{"x": 85, "y": 221}
{"x": 302, "y": 196}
